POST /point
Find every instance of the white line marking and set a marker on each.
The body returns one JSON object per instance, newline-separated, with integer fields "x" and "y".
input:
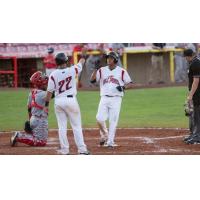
{"x": 170, "y": 137}
{"x": 52, "y": 140}
{"x": 148, "y": 140}
{"x": 47, "y": 148}
{"x": 139, "y": 137}
{"x": 184, "y": 150}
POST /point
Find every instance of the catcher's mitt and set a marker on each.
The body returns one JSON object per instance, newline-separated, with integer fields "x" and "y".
{"x": 188, "y": 108}
{"x": 27, "y": 127}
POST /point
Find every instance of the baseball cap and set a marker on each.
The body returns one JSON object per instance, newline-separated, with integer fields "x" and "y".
{"x": 188, "y": 52}
{"x": 50, "y": 50}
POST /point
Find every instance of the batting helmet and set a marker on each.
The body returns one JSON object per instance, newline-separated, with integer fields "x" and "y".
{"x": 61, "y": 58}
{"x": 50, "y": 50}
{"x": 38, "y": 79}
{"x": 113, "y": 55}
{"x": 188, "y": 52}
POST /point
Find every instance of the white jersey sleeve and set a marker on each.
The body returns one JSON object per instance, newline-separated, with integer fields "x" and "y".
{"x": 126, "y": 78}
{"x": 78, "y": 68}
{"x": 51, "y": 84}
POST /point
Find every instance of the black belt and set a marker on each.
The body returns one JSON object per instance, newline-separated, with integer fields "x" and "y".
{"x": 110, "y": 96}
{"x": 70, "y": 96}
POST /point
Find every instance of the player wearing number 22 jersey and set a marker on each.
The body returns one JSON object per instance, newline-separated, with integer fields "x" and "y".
{"x": 113, "y": 81}
{"x": 63, "y": 82}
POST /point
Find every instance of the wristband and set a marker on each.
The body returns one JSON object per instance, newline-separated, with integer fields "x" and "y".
{"x": 94, "y": 81}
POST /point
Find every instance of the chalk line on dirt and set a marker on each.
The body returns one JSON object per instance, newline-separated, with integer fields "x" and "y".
{"x": 96, "y": 129}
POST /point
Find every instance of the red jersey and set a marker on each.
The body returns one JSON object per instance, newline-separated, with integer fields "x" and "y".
{"x": 49, "y": 61}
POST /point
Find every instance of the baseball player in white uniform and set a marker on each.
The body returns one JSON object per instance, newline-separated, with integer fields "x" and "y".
{"x": 113, "y": 81}
{"x": 63, "y": 82}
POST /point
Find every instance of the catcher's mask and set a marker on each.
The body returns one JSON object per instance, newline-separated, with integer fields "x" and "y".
{"x": 39, "y": 80}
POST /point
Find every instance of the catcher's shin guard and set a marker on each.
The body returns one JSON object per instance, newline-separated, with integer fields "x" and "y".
{"x": 13, "y": 139}
{"x": 31, "y": 141}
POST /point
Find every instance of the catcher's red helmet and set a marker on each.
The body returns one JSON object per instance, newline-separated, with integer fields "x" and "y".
{"x": 38, "y": 79}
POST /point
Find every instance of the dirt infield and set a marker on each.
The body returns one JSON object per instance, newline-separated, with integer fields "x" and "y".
{"x": 130, "y": 141}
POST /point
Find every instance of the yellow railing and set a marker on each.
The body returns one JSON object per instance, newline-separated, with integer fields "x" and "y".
{"x": 126, "y": 52}
{"x": 75, "y": 55}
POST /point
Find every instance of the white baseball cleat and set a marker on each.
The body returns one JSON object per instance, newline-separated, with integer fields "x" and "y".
{"x": 83, "y": 152}
{"x": 110, "y": 145}
{"x": 63, "y": 152}
{"x": 13, "y": 139}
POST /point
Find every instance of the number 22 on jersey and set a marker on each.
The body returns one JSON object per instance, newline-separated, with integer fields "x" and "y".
{"x": 64, "y": 84}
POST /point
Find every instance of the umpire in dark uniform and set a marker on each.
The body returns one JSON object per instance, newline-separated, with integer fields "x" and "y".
{"x": 193, "y": 96}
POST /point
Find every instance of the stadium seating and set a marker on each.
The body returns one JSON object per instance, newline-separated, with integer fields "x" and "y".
{"x": 30, "y": 49}
{"x": 39, "y": 49}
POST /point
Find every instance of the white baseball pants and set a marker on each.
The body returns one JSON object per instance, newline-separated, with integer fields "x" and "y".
{"x": 68, "y": 108}
{"x": 109, "y": 108}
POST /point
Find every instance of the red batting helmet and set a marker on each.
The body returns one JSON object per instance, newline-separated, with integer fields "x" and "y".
{"x": 38, "y": 79}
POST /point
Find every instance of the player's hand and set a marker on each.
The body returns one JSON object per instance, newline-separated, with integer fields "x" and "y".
{"x": 189, "y": 98}
{"x": 82, "y": 61}
{"x": 120, "y": 88}
{"x": 46, "y": 109}
{"x": 189, "y": 108}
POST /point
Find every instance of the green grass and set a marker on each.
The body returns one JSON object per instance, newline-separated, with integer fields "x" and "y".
{"x": 161, "y": 107}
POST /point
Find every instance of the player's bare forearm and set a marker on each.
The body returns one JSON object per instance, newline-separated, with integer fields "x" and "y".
{"x": 47, "y": 99}
{"x": 93, "y": 76}
{"x": 82, "y": 61}
{"x": 129, "y": 86}
{"x": 194, "y": 88}
{"x": 48, "y": 96}
{"x": 80, "y": 65}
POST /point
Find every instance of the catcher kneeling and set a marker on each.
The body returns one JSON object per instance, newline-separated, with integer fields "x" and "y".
{"x": 36, "y": 130}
